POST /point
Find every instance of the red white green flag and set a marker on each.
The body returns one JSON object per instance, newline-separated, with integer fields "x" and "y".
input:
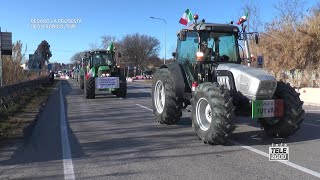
{"x": 186, "y": 17}
{"x": 267, "y": 108}
{"x": 243, "y": 18}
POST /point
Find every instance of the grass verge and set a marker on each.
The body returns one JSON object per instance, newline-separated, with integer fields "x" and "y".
{"x": 23, "y": 112}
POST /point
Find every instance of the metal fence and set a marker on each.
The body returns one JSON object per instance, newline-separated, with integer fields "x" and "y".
{"x": 10, "y": 93}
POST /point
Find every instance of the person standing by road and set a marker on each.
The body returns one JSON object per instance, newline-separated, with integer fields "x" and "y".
{"x": 51, "y": 76}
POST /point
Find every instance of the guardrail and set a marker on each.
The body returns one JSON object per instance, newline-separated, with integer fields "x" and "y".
{"x": 12, "y": 92}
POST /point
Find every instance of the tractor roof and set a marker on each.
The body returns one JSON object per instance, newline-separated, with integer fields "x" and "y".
{"x": 100, "y": 51}
{"x": 213, "y": 27}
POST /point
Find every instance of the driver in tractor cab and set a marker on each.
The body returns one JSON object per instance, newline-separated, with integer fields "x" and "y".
{"x": 207, "y": 46}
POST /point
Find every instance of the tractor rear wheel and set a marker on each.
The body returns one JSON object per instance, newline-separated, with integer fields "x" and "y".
{"x": 212, "y": 114}
{"x": 166, "y": 107}
{"x": 90, "y": 88}
{"x": 293, "y": 113}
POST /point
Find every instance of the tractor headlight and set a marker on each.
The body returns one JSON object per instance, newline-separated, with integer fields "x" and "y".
{"x": 262, "y": 91}
{"x": 105, "y": 75}
{"x": 199, "y": 56}
{"x": 265, "y": 91}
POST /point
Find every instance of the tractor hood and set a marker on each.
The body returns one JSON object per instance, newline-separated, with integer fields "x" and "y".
{"x": 103, "y": 68}
{"x": 254, "y": 83}
{"x": 103, "y": 71}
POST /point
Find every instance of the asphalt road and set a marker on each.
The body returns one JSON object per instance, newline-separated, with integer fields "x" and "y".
{"x": 114, "y": 138}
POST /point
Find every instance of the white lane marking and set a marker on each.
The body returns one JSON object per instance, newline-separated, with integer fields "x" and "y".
{"x": 66, "y": 152}
{"x": 288, "y": 163}
{"x": 311, "y": 124}
{"x": 144, "y": 107}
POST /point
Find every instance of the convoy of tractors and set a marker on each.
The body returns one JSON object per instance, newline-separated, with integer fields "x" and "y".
{"x": 209, "y": 75}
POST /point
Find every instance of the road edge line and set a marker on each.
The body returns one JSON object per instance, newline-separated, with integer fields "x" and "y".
{"x": 66, "y": 152}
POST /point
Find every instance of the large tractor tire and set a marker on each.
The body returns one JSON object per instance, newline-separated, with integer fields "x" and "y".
{"x": 212, "y": 114}
{"x": 90, "y": 88}
{"x": 166, "y": 107}
{"x": 81, "y": 83}
{"x": 293, "y": 113}
{"x": 122, "y": 91}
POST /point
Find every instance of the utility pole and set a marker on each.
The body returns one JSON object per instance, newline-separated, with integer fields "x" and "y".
{"x": 165, "y": 37}
{"x": 0, "y": 61}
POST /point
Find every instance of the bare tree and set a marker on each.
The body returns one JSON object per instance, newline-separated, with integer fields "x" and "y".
{"x": 137, "y": 48}
{"x": 254, "y": 19}
{"x": 290, "y": 11}
{"x": 94, "y": 46}
{"x": 77, "y": 57}
{"x": 107, "y": 40}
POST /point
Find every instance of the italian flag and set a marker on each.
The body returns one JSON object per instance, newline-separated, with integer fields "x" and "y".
{"x": 186, "y": 17}
{"x": 110, "y": 47}
{"x": 243, "y": 18}
{"x": 267, "y": 108}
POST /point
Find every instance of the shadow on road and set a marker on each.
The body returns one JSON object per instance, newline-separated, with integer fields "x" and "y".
{"x": 44, "y": 142}
{"x": 258, "y": 137}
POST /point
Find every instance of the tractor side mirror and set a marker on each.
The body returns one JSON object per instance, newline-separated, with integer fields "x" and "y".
{"x": 174, "y": 54}
{"x": 256, "y": 38}
{"x": 182, "y": 35}
{"x": 119, "y": 55}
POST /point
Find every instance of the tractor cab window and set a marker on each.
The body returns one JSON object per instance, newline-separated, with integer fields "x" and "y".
{"x": 102, "y": 59}
{"x": 187, "y": 49}
{"x": 222, "y": 46}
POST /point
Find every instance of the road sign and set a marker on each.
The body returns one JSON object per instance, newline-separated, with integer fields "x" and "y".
{"x": 260, "y": 60}
{"x": 6, "y": 43}
{"x": 34, "y": 62}
{"x": 49, "y": 67}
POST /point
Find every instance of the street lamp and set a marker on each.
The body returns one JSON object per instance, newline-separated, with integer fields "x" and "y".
{"x": 165, "y": 38}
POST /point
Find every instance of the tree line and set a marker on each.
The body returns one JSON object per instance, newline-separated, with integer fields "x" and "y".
{"x": 291, "y": 41}
{"x": 137, "y": 50}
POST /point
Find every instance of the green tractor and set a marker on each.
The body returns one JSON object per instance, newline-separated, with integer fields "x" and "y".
{"x": 100, "y": 72}
{"x": 208, "y": 75}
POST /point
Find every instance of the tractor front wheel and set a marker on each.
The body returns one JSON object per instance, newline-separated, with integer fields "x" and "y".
{"x": 122, "y": 91}
{"x": 90, "y": 88}
{"x": 293, "y": 113}
{"x": 213, "y": 117}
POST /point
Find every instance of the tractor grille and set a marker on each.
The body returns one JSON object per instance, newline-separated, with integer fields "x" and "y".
{"x": 224, "y": 80}
{"x": 268, "y": 84}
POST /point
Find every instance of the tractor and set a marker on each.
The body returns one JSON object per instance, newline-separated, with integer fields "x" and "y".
{"x": 209, "y": 75}
{"x": 100, "y": 72}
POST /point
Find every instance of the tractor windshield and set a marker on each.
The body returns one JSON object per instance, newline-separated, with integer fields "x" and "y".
{"x": 222, "y": 46}
{"x": 187, "y": 49}
{"x": 219, "y": 47}
{"x": 102, "y": 59}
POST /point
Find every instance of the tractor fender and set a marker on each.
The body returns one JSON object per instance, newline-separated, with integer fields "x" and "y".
{"x": 180, "y": 80}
